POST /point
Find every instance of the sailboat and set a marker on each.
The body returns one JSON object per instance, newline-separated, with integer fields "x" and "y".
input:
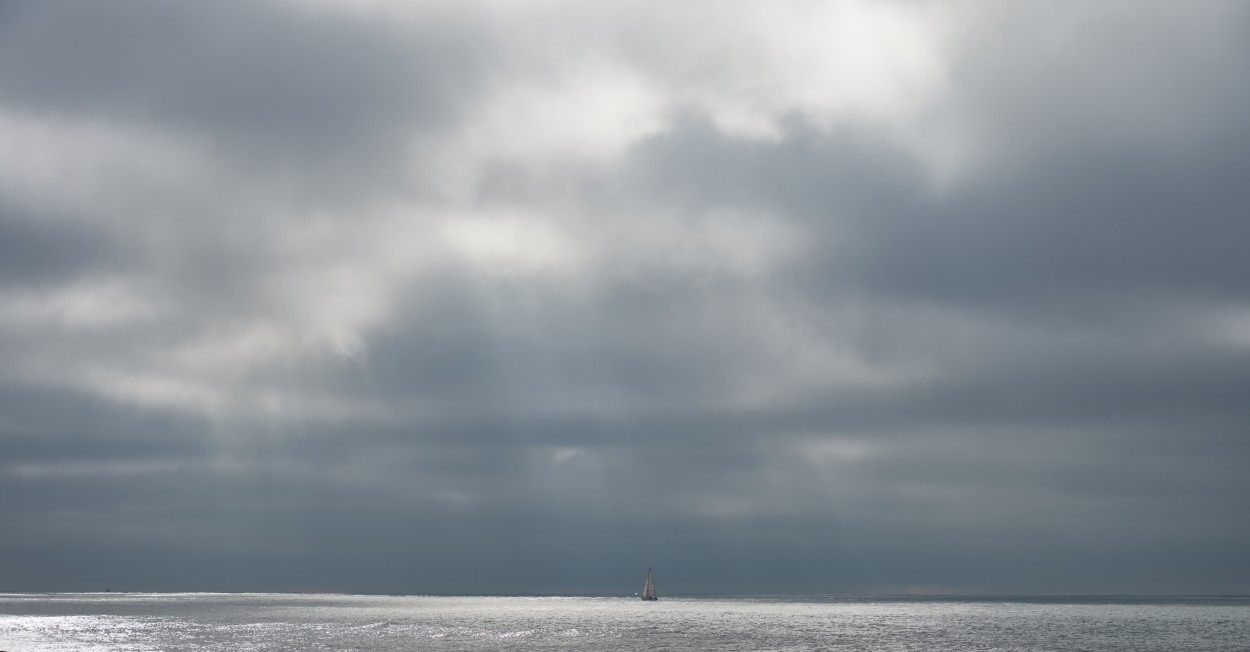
{"x": 648, "y": 589}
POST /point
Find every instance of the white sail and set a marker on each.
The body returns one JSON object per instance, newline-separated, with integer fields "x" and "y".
{"x": 648, "y": 589}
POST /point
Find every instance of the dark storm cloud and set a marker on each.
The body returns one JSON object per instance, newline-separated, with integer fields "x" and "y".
{"x": 35, "y": 251}
{"x": 1102, "y": 222}
{"x": 268, "y": 77}
{"x": 466, "y": 299}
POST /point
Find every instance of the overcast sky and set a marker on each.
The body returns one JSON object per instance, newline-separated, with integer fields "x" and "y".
{"x": 518, "y": 297}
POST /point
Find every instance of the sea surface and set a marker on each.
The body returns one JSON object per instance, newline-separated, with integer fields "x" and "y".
{"x": 256, "y": 621}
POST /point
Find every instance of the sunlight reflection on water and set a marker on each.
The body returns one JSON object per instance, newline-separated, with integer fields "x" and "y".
{"x": 142, "y": 622}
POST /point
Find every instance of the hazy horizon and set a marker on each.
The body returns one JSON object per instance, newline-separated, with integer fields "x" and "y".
{"x": 463, "y": 297}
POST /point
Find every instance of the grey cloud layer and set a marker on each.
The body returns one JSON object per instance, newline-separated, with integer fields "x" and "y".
{"x": 479, "y": 299}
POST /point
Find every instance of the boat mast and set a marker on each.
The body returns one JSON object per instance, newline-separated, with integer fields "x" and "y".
{"x": 648, "y": 589}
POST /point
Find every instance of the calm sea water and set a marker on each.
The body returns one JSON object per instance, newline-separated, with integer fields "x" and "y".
{"x": 206, "y": 621}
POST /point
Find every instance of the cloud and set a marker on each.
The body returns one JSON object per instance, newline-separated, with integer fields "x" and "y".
{"x": 825, "y": 297}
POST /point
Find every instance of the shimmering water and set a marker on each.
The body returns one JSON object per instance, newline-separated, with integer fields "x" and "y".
{"x": 205, "y": 621}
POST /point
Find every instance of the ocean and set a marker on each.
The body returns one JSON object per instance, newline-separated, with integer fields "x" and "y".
{"x": 217, "y": 621}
